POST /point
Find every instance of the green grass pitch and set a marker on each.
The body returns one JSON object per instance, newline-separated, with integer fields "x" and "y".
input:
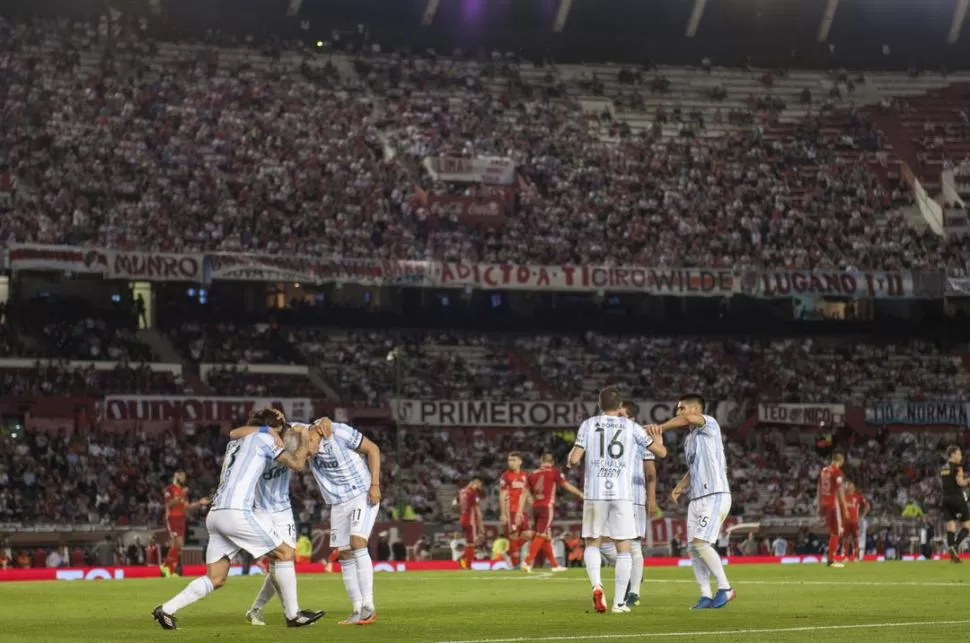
{"x": 913, "y": 601}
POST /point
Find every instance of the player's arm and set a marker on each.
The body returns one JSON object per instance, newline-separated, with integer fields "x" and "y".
{"x": 864, "y": 510}
{"x": 656, "y": 445}
{"x": 479, "y": 523}
{"x": 840, "y": 498}
{"x": 650, "y": 470}
{"x": 680, "y": 488}
{"x": 373, "y": 454}
{"x": 579, "y": 447}
{"x": 568, "y": 486}
{"x": 503, "y": 502}
{"x": 962, "y": 480}
{"x": 686, "y": 421}
{"x": 242, "y": 431}
{"x": 575, "y": 456}
{"x": 525, "y": 498}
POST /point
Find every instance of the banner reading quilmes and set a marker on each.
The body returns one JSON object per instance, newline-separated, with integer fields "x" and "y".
{"x": 927, "y": 413}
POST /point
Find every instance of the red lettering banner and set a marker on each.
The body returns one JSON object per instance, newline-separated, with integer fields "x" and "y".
{"x": 654, "y": 281}
{"x": 198, "y": 410}
{"x": 156, "y": 266}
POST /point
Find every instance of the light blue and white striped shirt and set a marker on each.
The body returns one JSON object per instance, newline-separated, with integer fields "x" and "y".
{"x": 640, "y": 482}
{"x": 341, "y": 472}
{"x": 704, "y": 450}
{"x": 246, "y": 460}
{"x": 273, "y": 489}
{"x": 615, "y": 448}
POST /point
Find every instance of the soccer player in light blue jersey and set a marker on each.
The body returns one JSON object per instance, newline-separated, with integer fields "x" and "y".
{"x": 347, "y": 468}
{"x": 273, "y": 502}
{"x": 233, "y": 523}
{"x": 709, "y": 493}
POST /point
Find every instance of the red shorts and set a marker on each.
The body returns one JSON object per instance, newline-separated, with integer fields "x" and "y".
{"x": 176, "y": 526}
{"x": 851, "y": 528}
{"x": 833, "y": 520}
{"x": 520, "y": 525}
{"x": 469, "y": 534}
{"x": 543, "y": 518}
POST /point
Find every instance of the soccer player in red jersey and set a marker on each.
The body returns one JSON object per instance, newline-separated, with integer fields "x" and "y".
{"x": 831, "y": 505}
{"x": 856, "y": 508}
{"x": 543, "y": 483}
{"x": 513, "y": 492}
{"x": 176, "y": 504}
{"x": 469, "y": 502}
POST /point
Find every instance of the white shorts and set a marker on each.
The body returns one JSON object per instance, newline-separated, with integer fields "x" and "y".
{"x": 284, "y": 525}
{"x": 352, "y": 518}
{"x": 640, "y": 520}
{"x": 706, "y": 515}
{"x": 233, "y": 529}
{"x": 612, "y": 518}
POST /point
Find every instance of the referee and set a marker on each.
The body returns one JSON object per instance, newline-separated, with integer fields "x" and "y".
{"x": 955, "y": 507}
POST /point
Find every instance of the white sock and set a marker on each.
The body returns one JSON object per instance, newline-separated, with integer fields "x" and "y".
{"x": 284, "y": 576}
{"x": 593, "y": 563}
{"x": 195, "y": 591}
{"x": 365, "y": 576}
{"x": 351, "y": 583}
{"x": 265, "y": 595}
{"x": 713, "y": 561}
{"x": 623, "y": 564}
{"x": 609, "y": 552}
{"x": 636, "y": 573}
{"x": 701, "y": 572}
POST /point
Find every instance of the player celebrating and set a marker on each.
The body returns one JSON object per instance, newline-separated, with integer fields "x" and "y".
{"x": 513, "y": 491}
{"x": 176, "y": 504}
{"x": 347, "y": 468}
{"x": 543, "y": 483}
{"x": 955, "y": 502}
{"x": 233, "y": 525}
{"x": 470, "y": 508}
{"x": 644, "y": 507}
{"x": 856, "y": 510}
{"x": 831, "y": 505}
{"x": 273, "y": 501}
{"x": 612, "y": 448}
{"x": 709, "y": 494}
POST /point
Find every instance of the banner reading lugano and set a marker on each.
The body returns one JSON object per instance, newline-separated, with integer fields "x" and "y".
{"x": 801, "y": 414}
{"x": 542, "y": 414}
{"x": 199, "y": 410}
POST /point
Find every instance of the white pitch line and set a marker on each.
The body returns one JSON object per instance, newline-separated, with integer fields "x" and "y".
{"x": 777, "y": 630}
{"x": 663, "y": 581}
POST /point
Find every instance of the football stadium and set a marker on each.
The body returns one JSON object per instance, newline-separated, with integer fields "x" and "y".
{"x": 484, "y": 321}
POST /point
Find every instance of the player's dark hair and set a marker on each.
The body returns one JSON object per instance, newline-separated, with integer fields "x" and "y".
{"x": 694, "y": 398}
{"x": 548, "y": 456}
{"x": 632, "y": 408}
{"x": 610, "y": 399}
{"x": 950, "y": 450}
{"x": 515, "y": 454}
{"x": 267, "y": 417}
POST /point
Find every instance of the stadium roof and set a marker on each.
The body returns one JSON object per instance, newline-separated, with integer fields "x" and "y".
{"x": 783, "y": 33}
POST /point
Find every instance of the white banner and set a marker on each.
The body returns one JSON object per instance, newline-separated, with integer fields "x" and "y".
{"x": 542, "y": 414}
{"x": 803, "y": 414}
{"x": 490, "y": 170}
{"x": 156, "y": 266}
{"x": 38, "y": 256}
{"x": 200, "y": 410}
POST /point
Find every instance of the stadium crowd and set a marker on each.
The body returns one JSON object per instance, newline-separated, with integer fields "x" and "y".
{"x": 176, "y": 148}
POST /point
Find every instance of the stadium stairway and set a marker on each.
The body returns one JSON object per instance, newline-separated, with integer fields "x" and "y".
{"x": 518, "y": 362}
